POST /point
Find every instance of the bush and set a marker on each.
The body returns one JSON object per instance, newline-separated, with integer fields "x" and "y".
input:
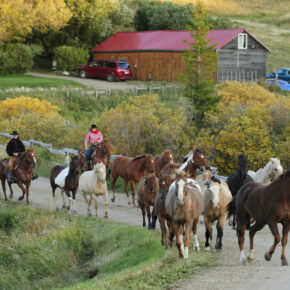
{"x": 69, "y": 58}
{"x": 15, "y": 59}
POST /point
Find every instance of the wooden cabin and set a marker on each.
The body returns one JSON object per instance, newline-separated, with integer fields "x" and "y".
{"x": 158, "y": 55}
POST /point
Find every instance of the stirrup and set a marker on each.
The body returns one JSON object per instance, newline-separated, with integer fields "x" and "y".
{"x": 10, "y": 179}
{"x": 34, "y": 176}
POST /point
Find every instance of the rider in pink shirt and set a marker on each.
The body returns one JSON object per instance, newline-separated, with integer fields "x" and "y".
{"x": 95, "y": 137}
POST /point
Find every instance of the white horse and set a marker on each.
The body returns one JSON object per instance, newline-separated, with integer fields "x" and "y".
{"x": 93, "y": 183}
{"x": 269, "y": 173}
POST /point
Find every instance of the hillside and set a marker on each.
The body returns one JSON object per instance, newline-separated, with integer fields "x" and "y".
{"x": 268, "y": 20}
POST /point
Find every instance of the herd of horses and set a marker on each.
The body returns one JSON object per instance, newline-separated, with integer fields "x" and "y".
{"x": 179, "y": 194}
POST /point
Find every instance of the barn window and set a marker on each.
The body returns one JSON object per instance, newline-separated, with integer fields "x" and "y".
{"x": 243, "y": 41}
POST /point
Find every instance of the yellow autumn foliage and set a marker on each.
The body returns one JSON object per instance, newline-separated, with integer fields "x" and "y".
{"x": 16, "y": 106}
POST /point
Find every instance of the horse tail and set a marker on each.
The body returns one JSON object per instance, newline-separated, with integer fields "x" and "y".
{"x": 231, "y": 207}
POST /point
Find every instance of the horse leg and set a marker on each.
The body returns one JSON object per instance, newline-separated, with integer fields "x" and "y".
{"x": 195, "y": 240}
{"x": 74, "y": 200}
{"x": 114, "y": 179}
{"x": 148, "y": 215}
{"x": 27, "y": 191}
{"x": 4, "y": 188}
{"x": 234, "y": 221}
{"x": 54, "y": 198}
{"x": 164, "y": 231}
{"x": 171, "y": 233}
{"x": 284, "y": 244}
{"x": 255, "y": 228}
{"x": 126, "y": 190}
{"x": 241, "y": 238}
{"x": 63, "y": 198}
{"x": 19, "y": 183}
{"x": 133, "y": 192}
{"x": 154, "y": 218}
{"x": 11, "y": 191}
{"x": 208, "y": 235}
{"x": 96, "y": 203}
{"x": 220, "y": 232}
{"x": 188, "y": 228}
{"x": 277, "y": 238}
{"x": 179, "y": 239}
{"x": 106, "y": 205}
{"x": 70, "y": 201}
{"x": 142, "y": 206}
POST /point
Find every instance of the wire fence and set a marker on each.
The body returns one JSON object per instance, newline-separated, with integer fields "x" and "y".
{"x": 237, "y": 75}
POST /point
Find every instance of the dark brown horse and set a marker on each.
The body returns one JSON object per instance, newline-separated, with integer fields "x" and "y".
{"x": 131, "y": 170}
{"x": 266, "y": 204}
{"x": 101, "y": 153}
{"x": 184, "y": 204}
{"x": 23, "y": 170}
{"x": 67, "y": 179}
{"x": 147, "y": 189}
{"x": 161, "y": 160}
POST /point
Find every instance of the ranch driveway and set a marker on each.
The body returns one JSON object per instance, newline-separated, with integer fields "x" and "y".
{"x": 228, "y": 275}
{"x": 90, "y": 82}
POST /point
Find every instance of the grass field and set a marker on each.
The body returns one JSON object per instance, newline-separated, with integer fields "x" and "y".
{"x": 43, "y": 249}
{"x": 14, "y": 81}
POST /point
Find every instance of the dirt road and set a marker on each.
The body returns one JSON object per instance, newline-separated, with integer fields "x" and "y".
{"x": 228, "y": 275}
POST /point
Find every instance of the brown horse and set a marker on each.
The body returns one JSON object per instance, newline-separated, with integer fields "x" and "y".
{"x": 147, "y": 189}
{"x": 161, "y": 160}
{"x": 23, "y": 170}
{"x": 101, "y": 153}
{"x": 266, "y": 204}
{"x": 184, "y": 204}
{"x": 67, "y": 179}
{"x": 131, "y": 170}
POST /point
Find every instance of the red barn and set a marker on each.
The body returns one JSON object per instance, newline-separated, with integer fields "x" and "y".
{"x": 158, "y": 55}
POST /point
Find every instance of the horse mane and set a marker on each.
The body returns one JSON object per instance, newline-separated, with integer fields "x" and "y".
{"x": 141, "y": 156}
{"x": 283, "y": 176}
{"x": 186, "y": 160}
{"x": 198, "y": 150}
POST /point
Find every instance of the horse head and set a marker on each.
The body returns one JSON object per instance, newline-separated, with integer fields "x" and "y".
{"x": 213, "y": 191}
{"x": 148, "y": 161}
{"x": 150, "y": 180}
{"x": 100, "y": 170}
{"x": 181, "y": 187}
{"x": 75, "y": 164}
{"x": 243, "y": 164}
{"x": 167, "y": 157}
{"x": 29, "y": 157}
{"x": 276, "y": 168}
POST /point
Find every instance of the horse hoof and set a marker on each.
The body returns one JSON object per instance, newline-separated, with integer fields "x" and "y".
{"x": 129, "y": 202}
{"x": 20, "y": 198}
{"x": 63, "y": 206}
{"x": 213, "y": 250}
{"x": 207, "y": 250}
{"x": 250, "y": 260}
{"x": 219, "y": 250}
{"x": 106, "y": 216}
{"x": 244, "y": 262}
{"x": 68, "y": 207}
{"x": 89, "y": 214}
{"x": 197, "y": 249}
{"x": 10, "y": 196}
{"x": 267, "y": 257}
{"x": 113, "y": 199}
{"x": 284, "y": 262}
{"x": 57, "y": 209}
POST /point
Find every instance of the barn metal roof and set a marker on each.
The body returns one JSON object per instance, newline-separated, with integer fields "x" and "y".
{"x": 163, "y": 40}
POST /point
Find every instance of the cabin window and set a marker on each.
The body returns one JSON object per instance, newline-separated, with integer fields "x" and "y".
{"x": 243, "y": 41}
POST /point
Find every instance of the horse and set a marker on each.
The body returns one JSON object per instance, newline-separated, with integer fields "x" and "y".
{"x": 67, "y": 180}
{"x": 216, "y": 197}
{"x": 269, "y": 173}
{"x": 148, "y": 187}
{"x": 236, "y": 180}
{"x": 266, "y": 204}
{"x": 131, "y": 170}
{"x": 160, "y": 161}
{"x": 94, "y": 183}
{"x": 23, "y": 170}
{"x": 184, "y": 204}
{"x": 101, "y": 153}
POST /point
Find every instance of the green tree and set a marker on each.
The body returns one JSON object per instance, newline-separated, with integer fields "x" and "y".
{"x": 201, "y": 60}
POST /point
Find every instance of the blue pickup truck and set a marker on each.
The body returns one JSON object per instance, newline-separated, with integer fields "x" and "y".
{"x": 282, "y": 73}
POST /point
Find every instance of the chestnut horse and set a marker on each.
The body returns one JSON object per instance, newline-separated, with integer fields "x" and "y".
{"x": 101, "y": 153}
{"x": 131, "y": 170}
{"x": 161, "y": 160}
{"x": 266, "y": 204}
{"x": 23, "y": 169}
{"x": 184, "y": 204}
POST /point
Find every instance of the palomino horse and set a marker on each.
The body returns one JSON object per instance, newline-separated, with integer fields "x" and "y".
{"x": 101, "y": 153}
{"x": 269, "y": 173}
{"x": 184, "y": 204}
{"x": 236, "y": 180}
{"x": 67, "y": 179}
{"x": 148, "y": 187}
{"x": 23, "y": 173}
{"x": 131, "y": 170}
{"x": 266, "y": 204}
{"x": 161, "y": 160}
{"x": 216, "y": 197}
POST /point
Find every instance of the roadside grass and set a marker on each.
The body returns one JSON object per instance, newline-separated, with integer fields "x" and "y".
{"x": 14, "y": 81}
{"x": 44, "y": 249}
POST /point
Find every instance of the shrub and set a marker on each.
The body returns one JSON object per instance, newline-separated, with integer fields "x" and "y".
{"x": 15, "y": 59}
{"x": 69, "y": 58}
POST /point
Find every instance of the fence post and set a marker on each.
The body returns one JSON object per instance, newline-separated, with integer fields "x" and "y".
{"x": 97, "y": 94}
{"x": 67, "y": 157}
{"x": 150, "y": 90}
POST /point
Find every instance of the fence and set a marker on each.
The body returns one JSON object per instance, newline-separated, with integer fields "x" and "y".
{"x": 237, "y": 75}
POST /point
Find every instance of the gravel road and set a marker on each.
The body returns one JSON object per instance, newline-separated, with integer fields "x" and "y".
{"x": 228, "y": 275}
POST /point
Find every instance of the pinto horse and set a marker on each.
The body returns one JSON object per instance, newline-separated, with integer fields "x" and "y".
{"x": 131, "y": 170}
{"x": 23, "y": 170}
{"x": 236, "y": 180}
{"x": 101, "y": 153}
{"x": 161, "y": 160}
{"x": 266, "y": 204}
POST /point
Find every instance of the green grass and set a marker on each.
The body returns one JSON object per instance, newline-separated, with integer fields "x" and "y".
{"x": 43, "y": 249}
{"x": 13, "y": 81}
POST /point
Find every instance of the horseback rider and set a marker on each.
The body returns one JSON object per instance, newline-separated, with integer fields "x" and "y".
{"x": 95, "y": 137}
{"x": 14, "y": 148}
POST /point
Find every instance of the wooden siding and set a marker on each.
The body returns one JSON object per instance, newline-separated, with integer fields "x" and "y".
{"x": 252, "y": 43}
{"x": 161, "y": 66}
